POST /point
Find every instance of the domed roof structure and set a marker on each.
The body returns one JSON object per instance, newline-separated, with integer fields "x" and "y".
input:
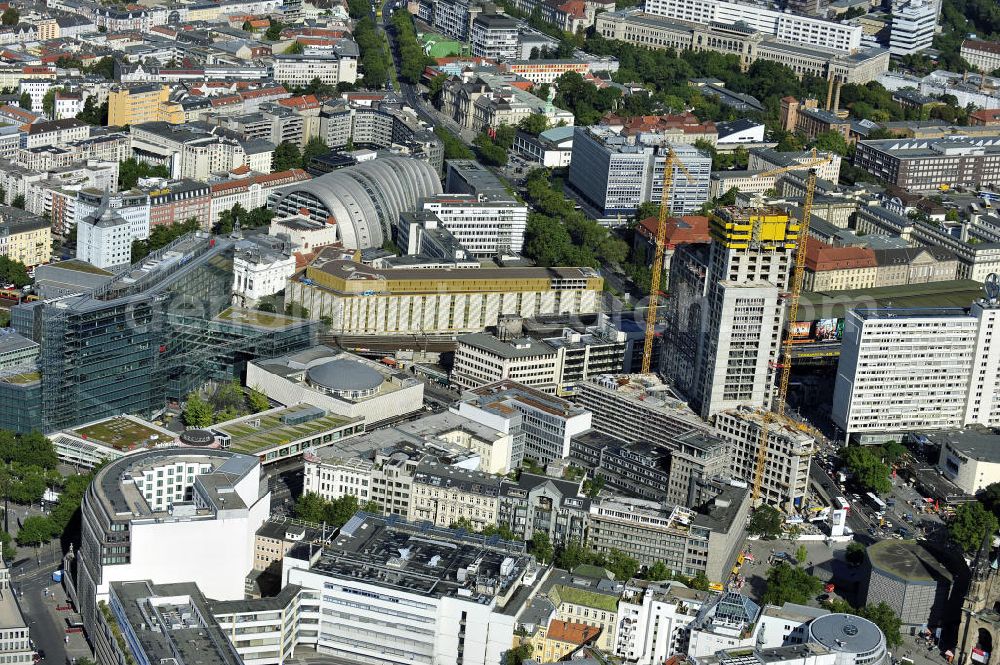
{"x": 342, "y": 375}
{"x": 856, "y": 640}
{"x": 364, "y": 200}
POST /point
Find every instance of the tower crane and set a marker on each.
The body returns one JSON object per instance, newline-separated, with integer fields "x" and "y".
{"x": 670, "y": 161}
{"x": 777, "y": 412}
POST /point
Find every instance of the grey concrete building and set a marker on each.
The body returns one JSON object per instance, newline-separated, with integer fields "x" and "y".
{"x": 687, "y": 540}
{"x": 914, "y": 580}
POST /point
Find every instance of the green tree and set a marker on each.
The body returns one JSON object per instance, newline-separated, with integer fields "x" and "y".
{"x": 855, "y": 554}
{"x": 295, "y": 48}
{"x": 658, "y": 572}
{"x": 374, "y": 50}
{"x": 161, "y": 236}
{"x": 489, "y": 152}
{"x": 571, "y": 555}
{"x": 246, "y": 27}
{"x": 10, "y": 16}
{"x": 92, "y": 114}
{"x": 593, "y": 486}
{"x": 315, "y": 147}
{"x": 412, "y": 58}
{"x": 357, "y": 9}
{"x": 790, "y": 584}
{"x": 868, "y": 468}
{"x": 311, "y": 507}
{"x": 258, "y": 401}
{"x": 340, "y": 510}
{"x": 518, "y": 654}
{"x": 25, "y": 101}
{"x": 197, "y": 412}
{"x": 893, "y": 451}
{"x": 766, "y": 522}
{"x": 130, "y": 170}
{"x": 104, "y": 67}
{"x": 49, "y": 102}
{"x": 14, "y": 272}
{"x": 541, "y": 546}
{"x": 972, "y": 524}
{"x": 273, "y": 32}
{"x": 35, "y": 530}
{"x": 18, "y": 201}
{"x": 831, "y": 142}
{"x": 286, "y": 156}
{"x": 434, "y": 88}
{"x": 885, "y": 618}
{"x": 534, "y": 124}
{"x": 801, "y": 554}
{"x": 297, "y": 310}
{"x": 454, "y": 148}
{"x": 700, "y": 581}
{"x": 622, "y": 566}
{"x": 8, "y": 550}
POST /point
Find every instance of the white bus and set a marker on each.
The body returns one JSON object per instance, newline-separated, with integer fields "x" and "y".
{"x": 878, "y": 503}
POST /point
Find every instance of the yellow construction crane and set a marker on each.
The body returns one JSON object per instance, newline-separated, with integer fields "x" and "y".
{"x": 785, "y": 360}
{"x": 670, "y": 161}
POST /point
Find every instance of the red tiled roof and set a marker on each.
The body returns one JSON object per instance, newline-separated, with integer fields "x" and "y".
{"x": 571, "y": 632}
{"x": 300, "y": 102}
{"x": 222, "y": 100}
{"x": 821, "y": 257}
{"x": 986, "y": 116}
{"x": 19, "y": 113}
{"x": 686, "y": 122}
{"x": 317, "y": 32}
{"x": 574, "y": 7}
{"x": 979, "y": 45}
{"x": 686, "y": 230}
{"x": 264, "y": 92}
{"x": 282, "y": 177}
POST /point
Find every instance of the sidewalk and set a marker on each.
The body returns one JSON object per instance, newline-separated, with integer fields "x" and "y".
{"x": 76, "y": 646}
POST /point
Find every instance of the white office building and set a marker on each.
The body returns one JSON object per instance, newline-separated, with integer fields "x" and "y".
{"x": 481, "y": 358}
{"x": 615, "y": 173}
{"x": 299, "y": 69}
{"x": 970, "y": 458}
{"x": 394, "y": 592}
{"x": 541, "y": 425}
{"x": 654, "y": 620}
{"x": 918, "y": 369}
{"x": 486, "y": 224}
{"x": 260, "y": 270}
{"x": 107, "y": 224}
{"x": 338, "y": 383}
{"x": 170, "y": 515}
{"x": 786, "y": 27}
{"x": 495, "y": 36}
{"x": 736, "y": 312}
{"x": 913, "y": 26}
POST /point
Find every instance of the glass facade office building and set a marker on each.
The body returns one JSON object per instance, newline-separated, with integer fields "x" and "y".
{"x": 148, "y": 337}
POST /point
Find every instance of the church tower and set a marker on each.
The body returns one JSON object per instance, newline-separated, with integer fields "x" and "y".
{"x": 980, "y": 616}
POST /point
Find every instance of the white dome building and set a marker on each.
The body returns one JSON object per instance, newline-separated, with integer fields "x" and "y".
{"x": 363, "y": 200}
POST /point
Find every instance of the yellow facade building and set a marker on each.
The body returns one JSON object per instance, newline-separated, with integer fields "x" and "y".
{"x": 561, "y": 638}
{"x": 753, "y": 228}
{"x": 47, "y": 29}
{"x": 25, "y": 237}
{"x": 359, "y": 299}
{"x": 149, "y": 102}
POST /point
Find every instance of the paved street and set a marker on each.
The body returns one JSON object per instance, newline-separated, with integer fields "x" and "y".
{"x": 47, "y": 625}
